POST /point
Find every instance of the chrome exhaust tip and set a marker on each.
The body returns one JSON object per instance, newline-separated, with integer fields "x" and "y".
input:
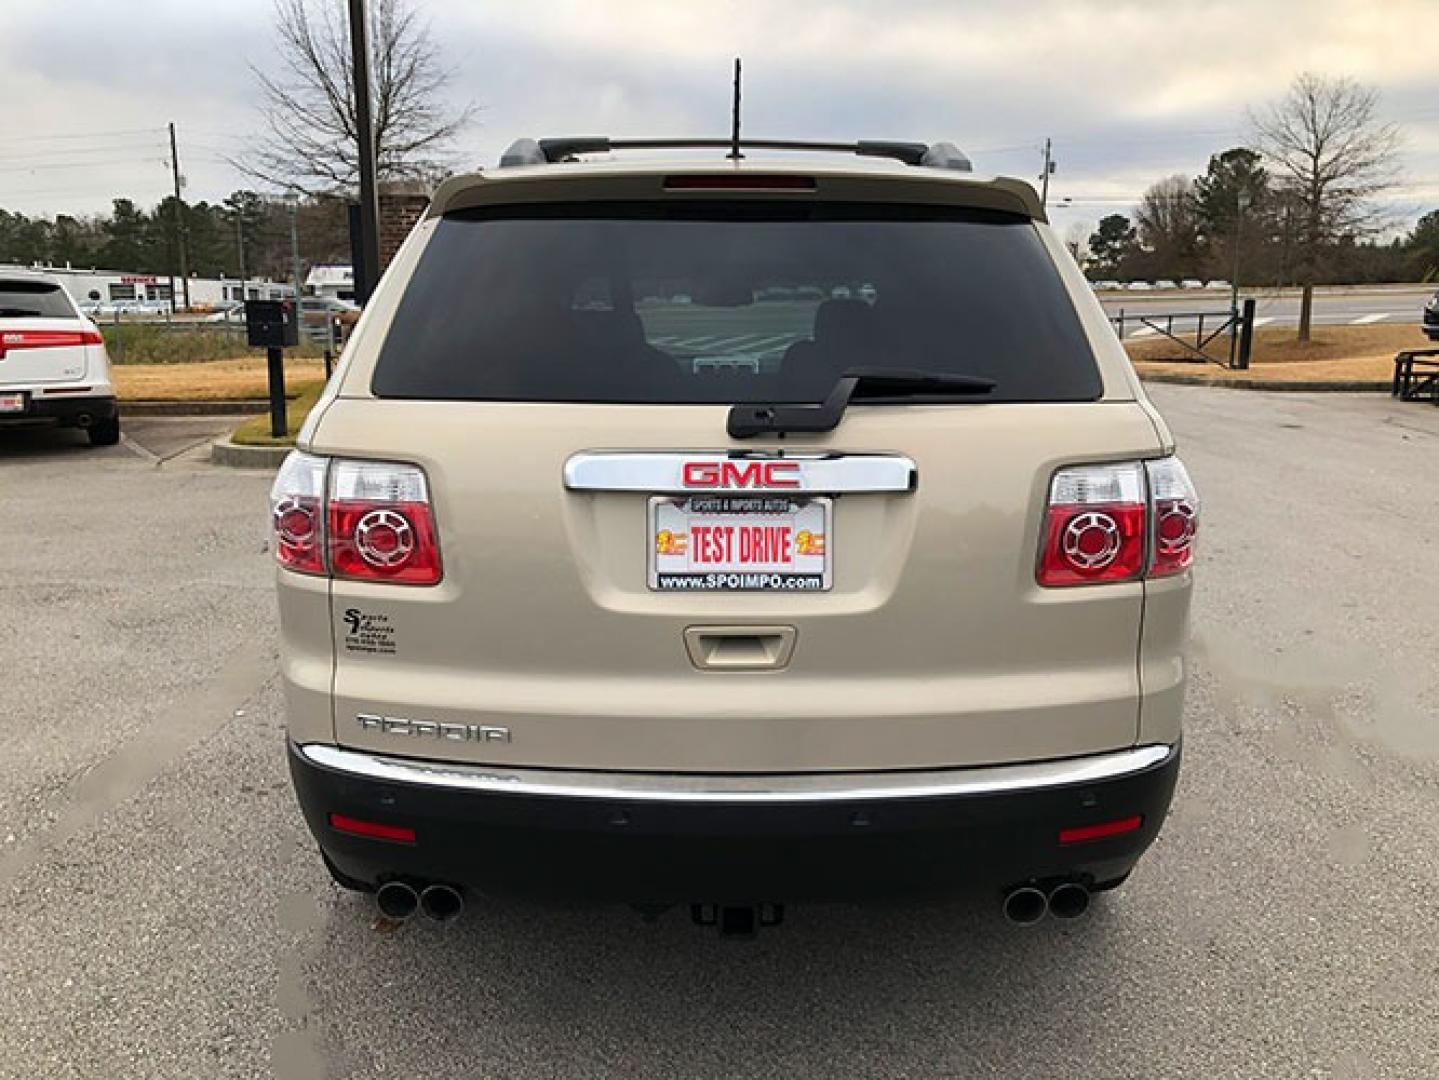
{"x": 1025, "y": 905}
{"x": 396, "y": 900}
{"x": 1068, "y": 901}
{"x": 442, "y": 903}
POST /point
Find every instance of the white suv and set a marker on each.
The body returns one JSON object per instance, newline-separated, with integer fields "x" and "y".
{"x": 53, "y": 366}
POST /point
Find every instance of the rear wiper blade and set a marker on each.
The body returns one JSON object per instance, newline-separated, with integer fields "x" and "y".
{"x": 746, "y": 421}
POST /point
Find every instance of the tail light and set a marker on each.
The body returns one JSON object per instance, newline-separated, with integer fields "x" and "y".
{"x": 1094, "y": 526}
{"x": 359, "y": 520}
{"x": 297, "y": 514}
{"x": 1107, "y": 523}
{"x": 1176, "y": 516}
{"x": 47, "y": 339}
{"x": 380, "y": 524}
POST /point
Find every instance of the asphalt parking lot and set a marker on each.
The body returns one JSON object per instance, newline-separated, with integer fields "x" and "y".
{"x": 165, "y": 915}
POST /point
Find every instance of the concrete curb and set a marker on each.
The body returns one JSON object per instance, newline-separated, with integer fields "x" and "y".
{"x": 1307, "y": 385}
{"x": 225, "y": 452}
{"x": 193, "y": 408}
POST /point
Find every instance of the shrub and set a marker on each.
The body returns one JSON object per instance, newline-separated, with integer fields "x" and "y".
{"x": 183, "y": 343}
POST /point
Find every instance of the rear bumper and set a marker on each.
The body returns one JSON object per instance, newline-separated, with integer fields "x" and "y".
{"x": 68, "y": 410}
{"x": 633, "y": 837}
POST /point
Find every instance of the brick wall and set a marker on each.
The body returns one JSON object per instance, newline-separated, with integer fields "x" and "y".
{"x": 401, "y": 205}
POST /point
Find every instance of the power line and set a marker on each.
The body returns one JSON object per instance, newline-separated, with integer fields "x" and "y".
{"x": 83, "y": 135}
{"x": 72, "y": 151}
{"x": 128, "y": 160}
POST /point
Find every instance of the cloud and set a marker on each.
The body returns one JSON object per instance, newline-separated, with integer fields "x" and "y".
{"x": 1129, "y": 91}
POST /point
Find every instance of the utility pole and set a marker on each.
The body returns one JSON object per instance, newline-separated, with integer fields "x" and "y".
{"x": 365, "y": 138}
{"x": 1241, "y": 204}
{"x": 1044, "y": 176}
{"x": 179, "y": 226}
{"x": 240, "y": 248}
{"x": 734, "y": 154}
{"x": 294, "y": 202}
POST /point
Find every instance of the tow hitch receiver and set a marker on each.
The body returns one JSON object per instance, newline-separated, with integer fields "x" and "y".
{"x": 737, "y": 920}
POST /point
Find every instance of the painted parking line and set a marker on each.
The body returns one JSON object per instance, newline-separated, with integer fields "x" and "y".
{"x": 743, "y": 343}
{"x": 1264, "y": 320}
{"x": 1144, "y": 331}
{"x": 1365, "y": 320}
{"x": 703, "y": 341}
{"x": 772, "y": 341}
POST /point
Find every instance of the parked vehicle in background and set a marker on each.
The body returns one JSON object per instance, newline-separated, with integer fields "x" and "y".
{"x": 53, "y": 366}
{"x": 317, "y": 312}
{"x": 1430, "y": 318}
{"x": 598, "y": 575}
{"x": 233, "y": 312}
{"x": 315, "y": 309}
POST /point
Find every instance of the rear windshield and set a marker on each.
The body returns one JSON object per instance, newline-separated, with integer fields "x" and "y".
{"x": 723, "y": 303}
{"x": 34, "y": 299}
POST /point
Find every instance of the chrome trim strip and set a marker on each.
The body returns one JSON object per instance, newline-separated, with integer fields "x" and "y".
{"x": 661, "y": 473}
{"x": 783, "y": 788}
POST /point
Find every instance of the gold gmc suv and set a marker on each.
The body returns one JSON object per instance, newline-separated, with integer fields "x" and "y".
{"x": 728, "y": 531}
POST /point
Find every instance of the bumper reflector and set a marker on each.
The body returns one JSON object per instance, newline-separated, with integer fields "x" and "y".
{"x": 1083, "y": 833}
{"x": 372, "y": 829}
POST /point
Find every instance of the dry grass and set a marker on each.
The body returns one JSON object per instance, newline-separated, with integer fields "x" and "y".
{"x": 1335, "y": 353}
{"x": 256, "y": 430}
{"x": 211, "y": 380}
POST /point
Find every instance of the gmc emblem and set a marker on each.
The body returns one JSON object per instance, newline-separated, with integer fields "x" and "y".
{"x": 741, "y": 474}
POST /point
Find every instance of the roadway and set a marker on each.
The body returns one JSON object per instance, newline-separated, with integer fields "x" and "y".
{"x": 1393, "y": 305}
{"x": 166, "y": 915}
{"x": 763, "y": 330}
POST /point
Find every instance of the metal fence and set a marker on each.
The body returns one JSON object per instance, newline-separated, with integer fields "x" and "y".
{"x": 120, "y": 328}
{"x": 1237, "y": 323}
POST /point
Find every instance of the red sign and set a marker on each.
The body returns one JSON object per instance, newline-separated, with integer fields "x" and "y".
{"x": 741, "y": 474}
{"x": 139, "y": 279}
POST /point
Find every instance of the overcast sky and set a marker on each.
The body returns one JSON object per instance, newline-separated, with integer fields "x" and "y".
{"x": 1129, "y": 91}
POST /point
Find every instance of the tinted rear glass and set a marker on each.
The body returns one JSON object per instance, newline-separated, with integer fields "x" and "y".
{"x": 34, "y": 299}
{"x": 723, "y": 303}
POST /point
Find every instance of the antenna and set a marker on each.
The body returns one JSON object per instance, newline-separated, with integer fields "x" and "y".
{"x": 734, "y": 154}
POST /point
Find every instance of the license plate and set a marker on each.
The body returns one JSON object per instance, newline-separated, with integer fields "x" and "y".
{"x": 12, "y": 403}
{"x": 740, "y": 543}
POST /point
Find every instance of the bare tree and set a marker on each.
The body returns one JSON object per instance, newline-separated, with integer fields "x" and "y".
{"x": 1169, "y": 227}
{"x": 1331, "y": 155}
{"x": 309, "y": 142}
{"x": 1076, "y": 240}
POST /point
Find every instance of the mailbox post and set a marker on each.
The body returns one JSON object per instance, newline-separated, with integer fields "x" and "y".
{"x": 271, "y": 325}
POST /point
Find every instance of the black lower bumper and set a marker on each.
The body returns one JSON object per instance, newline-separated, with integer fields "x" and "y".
{"x": 674, "y": 852}
{"x": 62, "y": 411}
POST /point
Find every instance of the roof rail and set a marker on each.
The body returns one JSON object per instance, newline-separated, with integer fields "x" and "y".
{"x": 941, "y": 155}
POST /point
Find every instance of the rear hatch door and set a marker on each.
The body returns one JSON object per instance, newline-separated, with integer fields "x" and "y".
{"x": 625, "y": 586}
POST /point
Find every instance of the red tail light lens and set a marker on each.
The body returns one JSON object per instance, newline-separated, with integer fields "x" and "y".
{"x": 380, "y": 525}
{"x": 373, "y": 829}
{"x": 1094, "y": 529}
{"x": 1118, "y": 523}
{"x": 738, "y": 182}
{"x": 297, "y": 513}
{"x": 1176, "y": 517}
{"x": 47, "y": 339}
{"x": 1084, "y": 833}
{"x": 375, "y": 524}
